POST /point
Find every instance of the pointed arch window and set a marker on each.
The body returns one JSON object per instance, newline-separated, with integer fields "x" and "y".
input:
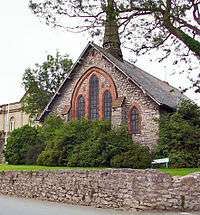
{"x": 135, "y": 121}
{"x": 81, "y": 107}
{"x": 94, "y": 98}
{"x": 12, "y": 123}
{"x": 107, "y": 105}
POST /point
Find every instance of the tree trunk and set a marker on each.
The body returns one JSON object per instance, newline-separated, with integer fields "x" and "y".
{"x": 111, "y": 41}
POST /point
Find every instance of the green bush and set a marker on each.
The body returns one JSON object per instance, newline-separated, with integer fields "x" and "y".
{"x": 23, "y": 146}
{"x": 180, "y": 136}
{"x": 77, "y": 143}
{"x": 62, "y": 142}
{"x": 136, "y": 157}
{"x": 91, "y": 144}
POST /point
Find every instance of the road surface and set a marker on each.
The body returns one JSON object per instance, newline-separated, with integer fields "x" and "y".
{"x": 17, "y": 206}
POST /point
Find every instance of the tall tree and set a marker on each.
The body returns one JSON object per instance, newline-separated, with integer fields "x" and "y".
{"x": 159, "y": 20}
{"x": 144, "y": 25}
{"x": 42, "y": 81}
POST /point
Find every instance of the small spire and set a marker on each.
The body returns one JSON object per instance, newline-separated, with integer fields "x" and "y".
{"x": 111, "y": 41}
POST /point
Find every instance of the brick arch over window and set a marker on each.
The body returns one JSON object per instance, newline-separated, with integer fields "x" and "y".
{"x": 83, "y": 88}
{"x": 135, "y": 119}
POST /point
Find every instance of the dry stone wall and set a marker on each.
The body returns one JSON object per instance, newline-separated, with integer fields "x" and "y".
{"x": 117, "y": 189}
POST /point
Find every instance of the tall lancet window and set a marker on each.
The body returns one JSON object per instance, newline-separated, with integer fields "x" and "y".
{"x": 81, "y": 107}
{"x": 135, "y": 121}
{"x": 12, "y": 123}
{"x": 107, "y": 105}
{"x": 94, "y": 98}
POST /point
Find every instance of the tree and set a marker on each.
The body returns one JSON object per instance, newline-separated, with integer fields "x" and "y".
{"x": 145, "y": 25}
{"x": 150, "y": 22}
{"x": 24, "y": 145}
{"x": 42, "y": 81}
{"x": 180, "y": 136}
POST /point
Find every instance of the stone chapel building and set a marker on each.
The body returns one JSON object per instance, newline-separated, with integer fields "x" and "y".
{"x": 101, "y": 85}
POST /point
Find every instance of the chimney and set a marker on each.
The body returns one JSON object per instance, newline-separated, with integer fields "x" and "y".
{"x": 111, "y": 41}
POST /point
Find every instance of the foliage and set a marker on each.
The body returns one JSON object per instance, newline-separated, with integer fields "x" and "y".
{"x": 23, "y": 146}
{"x": 62, "y": 141}
{"x": 42, "y": 81}
{"x": 78, "y": 143}
{"x": 135, "y": 157}
{"x": 180, "y": 136}
{"x": 92, "y": 144}
{"x": 146, "y": 25}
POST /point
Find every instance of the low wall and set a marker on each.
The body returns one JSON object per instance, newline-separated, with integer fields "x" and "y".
{"x": 119, "y": 189}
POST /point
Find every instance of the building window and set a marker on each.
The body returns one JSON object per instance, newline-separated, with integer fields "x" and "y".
{"x": 107, "y": 105}
{"x": 94, "y": 98}
{"x": 135, "y": 121}
{"x": 81, "y": 107}
{"x": 12, "y": 123}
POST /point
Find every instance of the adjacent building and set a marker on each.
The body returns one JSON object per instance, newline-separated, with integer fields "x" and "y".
{"x": 11, "y": 117}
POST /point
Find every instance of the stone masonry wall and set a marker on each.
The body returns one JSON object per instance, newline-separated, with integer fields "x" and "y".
{"x": 117, "y": 189}
{"x": 149, "y": 109}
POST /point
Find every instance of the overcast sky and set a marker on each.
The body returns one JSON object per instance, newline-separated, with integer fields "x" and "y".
{"x": 25, "y": 40}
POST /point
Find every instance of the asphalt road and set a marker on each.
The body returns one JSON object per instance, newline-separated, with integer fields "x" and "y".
{"x": 16, "y": 206}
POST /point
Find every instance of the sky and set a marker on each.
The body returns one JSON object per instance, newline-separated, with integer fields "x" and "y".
{"x": 26, "y": 40}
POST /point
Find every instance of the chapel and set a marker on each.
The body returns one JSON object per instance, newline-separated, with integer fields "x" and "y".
{"x": 103, "y": 86}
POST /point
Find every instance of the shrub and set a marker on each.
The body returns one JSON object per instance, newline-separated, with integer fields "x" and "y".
{"x": 180, "y": 136}
{"x": 23, "y": 146}
{"x": 102, "y": 144}
{"x": 136, "y": 157}
{"x": 77, "y": 143}
{"x": 62, "y": 142}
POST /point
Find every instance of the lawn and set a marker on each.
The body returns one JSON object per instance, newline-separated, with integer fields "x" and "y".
{"x": 171, "y": 171}
{"x": 180, "y": 171}
{"x": 30, "y": 167}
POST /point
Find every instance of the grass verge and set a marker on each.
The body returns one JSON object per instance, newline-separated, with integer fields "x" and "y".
{"x": 171, "y": 171}
{"x": 4, "y": 167}
{"x": 180, "y": 171}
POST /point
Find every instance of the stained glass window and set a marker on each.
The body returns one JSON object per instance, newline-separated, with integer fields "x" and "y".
{"x": 135, "y": 121}
{"x": 81, "y": 107}
{"x": 94, "y": 98}
{"x": 107, "y": 105}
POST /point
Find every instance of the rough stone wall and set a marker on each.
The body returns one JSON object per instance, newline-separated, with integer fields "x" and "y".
{"x": 149, "y": 109}
{"x": 117, "y": 189}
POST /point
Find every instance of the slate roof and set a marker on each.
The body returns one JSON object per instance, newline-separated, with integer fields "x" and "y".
{"x": 160, "y": 91}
